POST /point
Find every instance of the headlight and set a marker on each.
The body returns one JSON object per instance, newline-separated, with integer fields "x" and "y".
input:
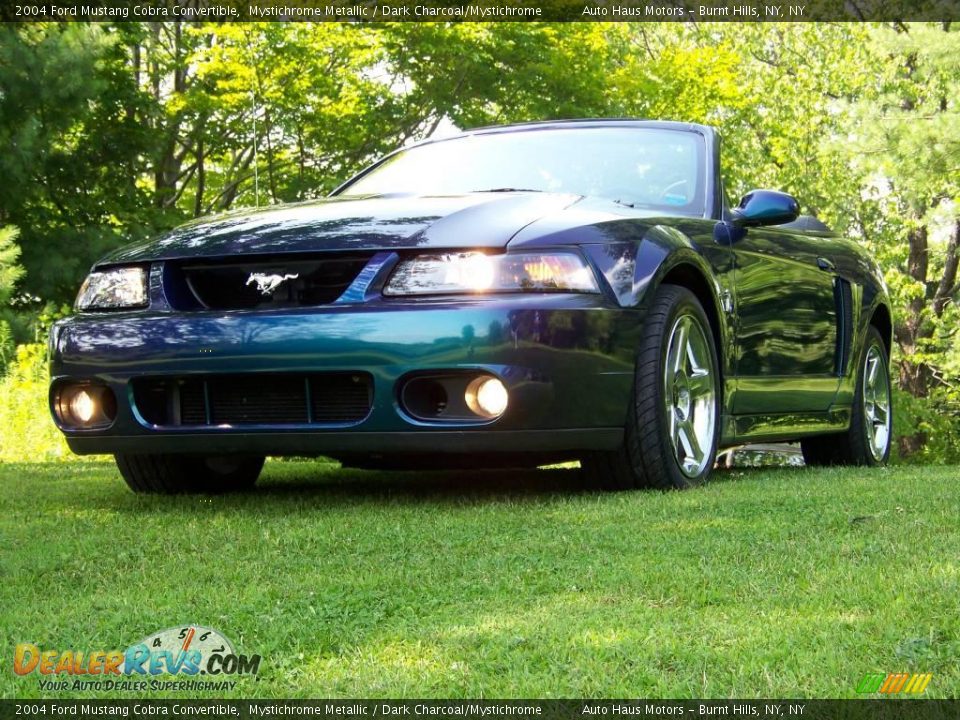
{"x": 474, "y": 272}
{"x": 113, "y": 289}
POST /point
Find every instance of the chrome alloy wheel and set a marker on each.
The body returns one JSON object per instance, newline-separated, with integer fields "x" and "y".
{"x": 876, "y": 402}
{"x": 690, "y": 392}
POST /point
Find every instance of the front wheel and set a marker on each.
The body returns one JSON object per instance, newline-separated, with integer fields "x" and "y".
{"x": 170, "y": 474}
{"x": 867, "y": 441}
{"x": 672, "y": 424}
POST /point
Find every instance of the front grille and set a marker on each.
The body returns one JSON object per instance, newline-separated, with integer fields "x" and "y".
{"x": 255, "y": 399}
{"x": 266, "y": 283}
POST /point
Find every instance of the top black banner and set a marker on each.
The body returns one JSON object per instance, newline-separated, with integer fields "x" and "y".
{"x": 372, "y": 11}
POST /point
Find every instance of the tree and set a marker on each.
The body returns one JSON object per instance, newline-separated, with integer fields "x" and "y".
{"x": 74, "y": 151}
{"x": 912, "y": 149}
{"x": 118, "y": 131}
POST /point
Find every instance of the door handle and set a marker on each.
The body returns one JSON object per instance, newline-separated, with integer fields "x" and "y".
{"x": 825, "y": 264}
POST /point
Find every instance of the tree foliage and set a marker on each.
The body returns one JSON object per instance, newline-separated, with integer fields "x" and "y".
{"x": 10, "y": 270}
{"x": 74, "y": 156}
{"x": 114, "y": 132}
{"x": 908, "y": 156}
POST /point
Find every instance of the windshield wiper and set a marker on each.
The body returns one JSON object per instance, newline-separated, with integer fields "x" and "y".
{"x": 506, "y": 189}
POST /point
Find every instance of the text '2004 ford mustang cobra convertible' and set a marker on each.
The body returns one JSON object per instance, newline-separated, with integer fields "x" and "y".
{"x": 510, "y": 296}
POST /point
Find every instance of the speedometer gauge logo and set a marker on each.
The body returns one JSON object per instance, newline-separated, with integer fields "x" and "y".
{"x": 187, "y": 650}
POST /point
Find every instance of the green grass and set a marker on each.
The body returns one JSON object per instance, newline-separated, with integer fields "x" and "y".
{"x": 766, "y": 583}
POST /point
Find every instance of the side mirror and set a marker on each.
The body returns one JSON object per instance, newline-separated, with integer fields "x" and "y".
{"x": 765, "y": 207}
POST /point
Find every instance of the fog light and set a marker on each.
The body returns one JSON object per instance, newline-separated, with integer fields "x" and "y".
{"x": 487, "y": 397}
{"x": 83, "y": 407}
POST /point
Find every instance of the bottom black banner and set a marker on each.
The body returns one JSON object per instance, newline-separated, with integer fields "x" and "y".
{"x": 483, "y": 709}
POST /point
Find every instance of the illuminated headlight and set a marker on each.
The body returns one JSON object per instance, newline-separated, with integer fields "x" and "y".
{"x": 474, "y": 272}
{"x": 114, "y": 289}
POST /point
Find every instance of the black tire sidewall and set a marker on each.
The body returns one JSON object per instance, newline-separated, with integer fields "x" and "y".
{"x": 680, "y": 301}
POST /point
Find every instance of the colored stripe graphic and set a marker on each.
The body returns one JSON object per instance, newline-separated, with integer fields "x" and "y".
{"x": 894, "y": 683}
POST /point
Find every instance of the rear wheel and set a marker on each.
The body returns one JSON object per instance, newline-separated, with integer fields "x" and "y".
{"x": 169, "y": 474}
{"x": 867, "y": 441}
{"x": 672, "y": 425}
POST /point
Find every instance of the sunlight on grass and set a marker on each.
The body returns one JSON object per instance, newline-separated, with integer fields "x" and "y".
{"x": 571, "y": 465}
{"x": 766, "y": 583}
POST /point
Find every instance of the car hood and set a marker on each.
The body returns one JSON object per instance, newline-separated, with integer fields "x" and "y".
{"x": 393, "y": 222}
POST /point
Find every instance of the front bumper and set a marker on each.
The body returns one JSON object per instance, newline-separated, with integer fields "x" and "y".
{"x": 567, "y": 361}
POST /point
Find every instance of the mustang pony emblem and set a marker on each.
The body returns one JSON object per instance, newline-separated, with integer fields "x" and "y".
{"x": 266, "y": 284}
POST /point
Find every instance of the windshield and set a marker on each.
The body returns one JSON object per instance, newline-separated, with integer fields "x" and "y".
{"x": 643, "y": 167}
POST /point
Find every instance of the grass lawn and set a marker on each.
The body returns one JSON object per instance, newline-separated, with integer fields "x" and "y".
{"x": 766, "y": 583}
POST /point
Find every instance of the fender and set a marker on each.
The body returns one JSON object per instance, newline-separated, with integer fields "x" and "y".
{"x": 634, "y": 271}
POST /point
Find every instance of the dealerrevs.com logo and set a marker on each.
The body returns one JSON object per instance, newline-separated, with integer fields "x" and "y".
{"x": 187, "y": 651}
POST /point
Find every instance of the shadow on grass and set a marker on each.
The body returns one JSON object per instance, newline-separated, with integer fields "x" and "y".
{"x": 318, "y": 480}
{"x": 288, "y": 485}
{"x": 414, "y": 485}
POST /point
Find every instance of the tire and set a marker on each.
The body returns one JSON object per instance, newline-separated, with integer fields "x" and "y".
{"x": 169, "y": 474}
{"x": 867, "y": 441}
{"x": 676, "y": 398}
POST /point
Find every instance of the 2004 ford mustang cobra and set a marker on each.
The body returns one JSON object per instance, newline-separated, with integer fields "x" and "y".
{"x": 507, "y": 297}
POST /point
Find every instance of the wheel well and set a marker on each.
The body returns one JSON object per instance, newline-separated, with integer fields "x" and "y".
{"x": 693, "y": 280}
{"x": 882, "y": 322}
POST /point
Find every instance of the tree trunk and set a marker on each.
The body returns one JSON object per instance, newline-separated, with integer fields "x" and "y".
{"x": 201, "y": 179}
{"x": 167, "y": 171}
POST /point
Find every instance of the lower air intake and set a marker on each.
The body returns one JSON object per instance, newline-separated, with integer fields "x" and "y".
{"x": 315, "y": 399}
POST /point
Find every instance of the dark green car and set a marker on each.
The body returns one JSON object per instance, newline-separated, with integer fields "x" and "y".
{"x": 510, "y": 296}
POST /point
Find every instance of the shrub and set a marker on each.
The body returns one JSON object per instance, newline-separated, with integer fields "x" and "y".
{"x": 932, "y": 420}
{"x": 10, "y": 270}
{"x": 7, "y": 346}
{"x": 27, "y": 434}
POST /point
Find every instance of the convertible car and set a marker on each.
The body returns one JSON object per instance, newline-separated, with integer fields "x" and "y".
{"x": 512, "y": 296}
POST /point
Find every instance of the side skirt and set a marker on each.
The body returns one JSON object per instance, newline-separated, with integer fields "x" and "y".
{"x": 739, "y": 429}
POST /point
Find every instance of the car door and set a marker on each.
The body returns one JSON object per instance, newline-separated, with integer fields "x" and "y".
{"x": 786, "y": 323}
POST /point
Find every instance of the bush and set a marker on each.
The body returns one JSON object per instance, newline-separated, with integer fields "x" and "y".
{"x": 27, "y": 433}
{"x": 932, "y": 420}
{"x": 7, "y": 347}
